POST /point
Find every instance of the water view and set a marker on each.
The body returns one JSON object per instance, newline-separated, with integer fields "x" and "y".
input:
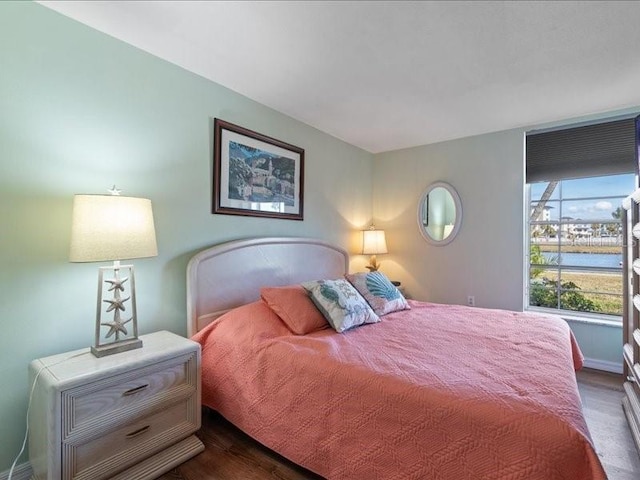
{"x": 607, "y": 260}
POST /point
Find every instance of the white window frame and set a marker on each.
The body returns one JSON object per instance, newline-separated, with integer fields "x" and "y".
{"x": 590, "y": 317}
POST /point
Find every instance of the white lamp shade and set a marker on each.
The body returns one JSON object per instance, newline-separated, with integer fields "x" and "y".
{"x": 111, "y": 227}
{"x": 373, "y": 242}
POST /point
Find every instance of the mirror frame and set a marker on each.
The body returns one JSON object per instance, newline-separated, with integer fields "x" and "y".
{"x": 456, "y": 226}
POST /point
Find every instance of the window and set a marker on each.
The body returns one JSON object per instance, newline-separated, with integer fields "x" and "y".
{"x": 577, "y": 177}
{"x": 575, "y": 243}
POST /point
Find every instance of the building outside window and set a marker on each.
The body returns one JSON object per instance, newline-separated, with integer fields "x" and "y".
{"x": 575, "y": 244}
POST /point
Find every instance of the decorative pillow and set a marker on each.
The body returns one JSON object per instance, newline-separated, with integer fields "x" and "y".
{"x": 378, "y": 290}
{"x": 294, "y": 307}
{"x": 340, "y": 303}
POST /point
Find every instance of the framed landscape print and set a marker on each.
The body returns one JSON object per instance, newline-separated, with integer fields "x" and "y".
{"x": 255, "y": 175}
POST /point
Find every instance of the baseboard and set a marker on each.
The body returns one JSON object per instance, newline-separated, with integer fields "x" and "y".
{"x": 21, "y": 472}
{"x": 604, "y": 365}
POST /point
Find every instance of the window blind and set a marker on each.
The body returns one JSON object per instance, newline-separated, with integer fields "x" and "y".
{"x": 587, "y": 151}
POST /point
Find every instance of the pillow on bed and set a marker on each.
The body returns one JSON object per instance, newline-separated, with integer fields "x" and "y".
{"x": 378, "y": 290}
{"x": 294, "y": 307}
{"x": 340, "y": 303}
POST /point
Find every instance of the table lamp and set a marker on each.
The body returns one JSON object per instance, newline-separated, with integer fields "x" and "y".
{"x": 113, "y": 228}
{"x": 373, "y": 243}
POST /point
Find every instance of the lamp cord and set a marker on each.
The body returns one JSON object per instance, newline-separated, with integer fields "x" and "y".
{"x": 33, "y": 387}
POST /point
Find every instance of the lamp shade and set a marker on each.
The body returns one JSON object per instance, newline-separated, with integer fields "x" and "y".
{"x": 111, "y": 227}
{"x": 373, "y": 242}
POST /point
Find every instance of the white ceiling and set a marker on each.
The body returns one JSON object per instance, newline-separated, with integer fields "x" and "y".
{"x": 388, "y": 75}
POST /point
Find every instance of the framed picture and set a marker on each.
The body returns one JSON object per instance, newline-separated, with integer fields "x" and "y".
{"x": 255, "y": 175}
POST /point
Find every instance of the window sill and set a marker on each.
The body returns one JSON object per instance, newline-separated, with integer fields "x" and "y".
{"x": 589, "y": 318}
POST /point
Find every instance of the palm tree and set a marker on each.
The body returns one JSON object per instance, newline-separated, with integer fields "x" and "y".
{"x": 617, "y": 213}
{"x": 535, "y": 234}
{"x": 616, "y": 229}
{"x": 543, "y": 200}
{"x": 548, "y": 231}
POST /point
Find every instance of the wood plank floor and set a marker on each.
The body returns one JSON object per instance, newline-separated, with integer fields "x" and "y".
{"x": 232, "y": 455}
{"x": 601, "y": 395}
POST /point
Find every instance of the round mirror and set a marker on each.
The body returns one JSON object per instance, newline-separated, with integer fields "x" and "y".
{"x": 439, "y": 213}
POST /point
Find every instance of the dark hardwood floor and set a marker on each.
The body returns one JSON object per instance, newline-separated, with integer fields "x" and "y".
{"x": 232, "y": 455}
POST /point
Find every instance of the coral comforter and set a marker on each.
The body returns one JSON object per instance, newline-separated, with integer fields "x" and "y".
{"x": 436, "y": 392}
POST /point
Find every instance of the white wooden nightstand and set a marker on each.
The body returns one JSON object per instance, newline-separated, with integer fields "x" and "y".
{"x": 400, "y": 288}
{"x": 129, "y": 416}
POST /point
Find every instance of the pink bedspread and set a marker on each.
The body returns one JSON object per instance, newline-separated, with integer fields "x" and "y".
{"x": 437, "y": 392}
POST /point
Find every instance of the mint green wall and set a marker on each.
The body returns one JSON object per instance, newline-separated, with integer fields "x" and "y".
{"x": 80, "y": 111}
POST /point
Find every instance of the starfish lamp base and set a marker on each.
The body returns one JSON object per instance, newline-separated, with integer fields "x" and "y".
{"x": 121, "y": 332}
{"x": 116, "y": 347}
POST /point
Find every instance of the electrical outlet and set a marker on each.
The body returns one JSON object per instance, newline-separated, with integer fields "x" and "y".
{"x": 471, "y": 301}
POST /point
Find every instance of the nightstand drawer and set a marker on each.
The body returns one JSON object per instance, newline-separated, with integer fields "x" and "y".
{"x": 115, "y": 400}
{"x": 113, "y": 452}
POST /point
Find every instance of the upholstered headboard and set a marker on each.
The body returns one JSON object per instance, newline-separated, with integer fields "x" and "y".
{"x": 231, "y": 274}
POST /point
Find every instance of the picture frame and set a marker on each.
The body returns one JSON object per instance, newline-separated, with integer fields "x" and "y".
{"x": 256, "y": 175}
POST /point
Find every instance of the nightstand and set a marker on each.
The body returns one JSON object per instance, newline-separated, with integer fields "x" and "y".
{"x": 400, "y": 288}
{"x": 129, "y": 416}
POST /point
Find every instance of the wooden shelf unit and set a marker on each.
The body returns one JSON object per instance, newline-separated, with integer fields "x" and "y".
{"x": 631, "y": 313}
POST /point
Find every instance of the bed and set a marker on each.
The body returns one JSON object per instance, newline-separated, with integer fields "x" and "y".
{"x": 436, "y": 392}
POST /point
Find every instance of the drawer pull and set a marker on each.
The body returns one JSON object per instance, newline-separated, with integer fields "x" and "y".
{"x": 140, "y": 431}
{"x": 135, "y": 390}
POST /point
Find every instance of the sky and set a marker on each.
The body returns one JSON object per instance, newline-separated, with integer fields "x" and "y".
{"x": 597, "y": 189}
